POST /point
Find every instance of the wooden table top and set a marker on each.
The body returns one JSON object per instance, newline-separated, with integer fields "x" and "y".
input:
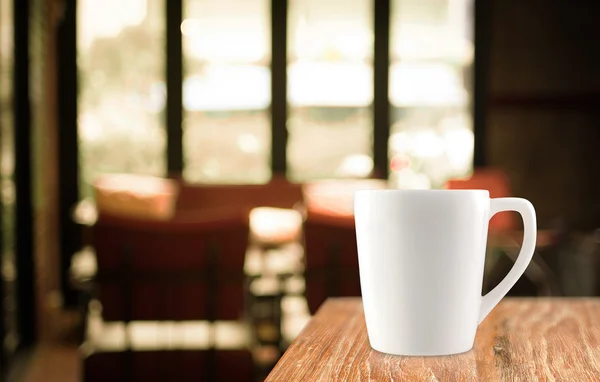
{"x": 525, "y": 339}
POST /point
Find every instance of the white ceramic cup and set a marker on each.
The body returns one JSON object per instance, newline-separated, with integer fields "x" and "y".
{"x": 421, "y": 255}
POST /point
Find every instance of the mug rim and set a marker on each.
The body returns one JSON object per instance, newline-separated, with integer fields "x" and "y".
{"x": 399, "y": 191}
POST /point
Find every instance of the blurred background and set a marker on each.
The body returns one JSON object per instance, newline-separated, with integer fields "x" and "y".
{"x": 177, "y": 176}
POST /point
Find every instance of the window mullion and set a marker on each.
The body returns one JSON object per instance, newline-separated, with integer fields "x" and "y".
{"x": 279, "y": 13}
{"x": 174, "y": 81}
{"x": 381, "y": 103}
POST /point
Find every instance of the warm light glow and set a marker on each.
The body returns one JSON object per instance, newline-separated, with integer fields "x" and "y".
{"x": 336, "y": 197}
{"x": 420, "y": 84}
{"x": 458, "y": 142}
{"x": 107, "y": 18}
{"x": 227, "y": 91}
{"x": 333, "y": 30}
{"x": 427, "y": 144}
{"x": 275, "y": 224}
{"x": 229, "y": 40}
{"x": 90, "y": 129}
{"x": 421, "y": 143}
{"x": 330, "y": 84}
{"x": 421, "y": 43}
{"x": 356, "y": 166}
{"x": 161, "y": 335}
{"x": 408, "y": 179}
{"x": 335, "y": 39}
{"x": 120, "y": 57}
{"x": 249, "y": 143}
{"x": 431, "y": 44}
{"x": 135, "y": 184}
{"x": 432, "y": 29}
{"x": 225, "y": 31}
{"x": 246, "y": 87}
{"x": 435, "y": 152}
{"x": 228, "y": 87}
{"x": 400, "y": 142}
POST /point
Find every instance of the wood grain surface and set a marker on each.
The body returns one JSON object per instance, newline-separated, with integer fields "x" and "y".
{"x": 549, "y": 339}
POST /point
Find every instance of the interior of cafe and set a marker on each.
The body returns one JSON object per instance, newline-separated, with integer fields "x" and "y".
{"x": 177, "y": 177}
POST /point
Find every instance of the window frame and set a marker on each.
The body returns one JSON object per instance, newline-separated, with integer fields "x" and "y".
{"x": 279, "y": 97}
{"x": 174, "y": 82}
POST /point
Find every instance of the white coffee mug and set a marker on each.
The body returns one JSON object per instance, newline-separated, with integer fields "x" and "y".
{"x": 421, "y": 255}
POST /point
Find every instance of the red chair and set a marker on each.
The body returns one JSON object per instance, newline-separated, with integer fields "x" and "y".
{"x": 331, "y": 268}
{"x": 331, "y": 256}
{"x": 189, "y": 268}
{"x": 176, "y": 270}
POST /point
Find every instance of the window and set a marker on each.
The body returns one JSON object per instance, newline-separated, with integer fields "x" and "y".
{"x": 227, "y": 91}
{"x": 330, "y": 88}
{"x": 431, "y": 48}
{"x": 121, "y": 58}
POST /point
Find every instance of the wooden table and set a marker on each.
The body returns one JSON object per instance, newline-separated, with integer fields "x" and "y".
{"x": 549, "y": 339}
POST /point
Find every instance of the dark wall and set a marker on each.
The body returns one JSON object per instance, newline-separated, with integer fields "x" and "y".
{"x": 544, "y": 108}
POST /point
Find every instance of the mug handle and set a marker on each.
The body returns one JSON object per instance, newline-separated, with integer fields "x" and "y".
{"x": 527, "y": 212}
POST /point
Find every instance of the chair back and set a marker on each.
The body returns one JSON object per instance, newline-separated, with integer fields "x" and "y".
{"x": 178, "y": 269}
{"x": 331, "y": 257}
{"x": 278, "y": 193}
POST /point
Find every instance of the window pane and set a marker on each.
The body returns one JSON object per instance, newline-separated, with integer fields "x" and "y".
{"x": 330, "y": 90}
{"x": 227, "y": 91}
{"x": 431, "y": 138}
{"x": 121, "y": 58}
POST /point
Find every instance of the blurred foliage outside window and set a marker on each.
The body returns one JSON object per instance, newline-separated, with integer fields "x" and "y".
{"x": 121, "y": 60}
{"x": 330, "y": 89}
{"x": 227, "y": 91}
{"x": 431, "y": 55}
